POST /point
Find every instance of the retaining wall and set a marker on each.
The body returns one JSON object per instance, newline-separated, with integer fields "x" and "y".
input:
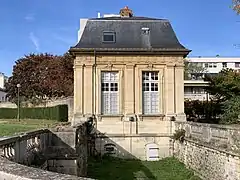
{"x": 211, "y": 150}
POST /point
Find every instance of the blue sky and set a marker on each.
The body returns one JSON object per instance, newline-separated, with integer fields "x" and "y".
{"x": 206, "y": 27}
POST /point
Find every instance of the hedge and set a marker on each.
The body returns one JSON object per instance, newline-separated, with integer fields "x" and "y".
{"x": 59, "y": 113}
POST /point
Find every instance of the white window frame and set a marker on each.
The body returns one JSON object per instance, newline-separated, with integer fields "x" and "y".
{"x": 150, "y": 92}
{"x": 109, "y": 33}
{"x": 210, "y": 65}
{"x": 109, "y": 92}
{"x": 237, "y": 64}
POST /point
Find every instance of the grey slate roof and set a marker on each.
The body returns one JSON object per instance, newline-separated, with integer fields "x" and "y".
{"x": 129, "y": 34}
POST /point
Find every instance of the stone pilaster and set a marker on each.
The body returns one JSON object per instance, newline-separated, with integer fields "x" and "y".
{"x": 129, "y": 89}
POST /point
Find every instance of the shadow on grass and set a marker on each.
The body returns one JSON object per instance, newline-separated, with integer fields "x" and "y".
{"x": 109, "y": 168}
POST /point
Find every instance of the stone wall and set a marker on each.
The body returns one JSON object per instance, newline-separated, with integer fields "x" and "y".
{"x": 7, "y": 105}
{"x": 220, "y": 136}
{"x": 211, "y": 150}
{"x": 61, "y": 149}
{"x": 131, "y": 139}
{"x": 134, "y": 146}
{"x": 11, "y": 171}
{"x": 71, "y": 150}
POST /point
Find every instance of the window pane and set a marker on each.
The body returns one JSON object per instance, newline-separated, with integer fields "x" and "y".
{"x": 105, "y": 87}
{"x": 150, "y": 92}
{"x": 145, "y": 75}
{"x": 109, "y": 92}
{"x": 109, "y": 37}
{"x": 114, "y": 103}
{"x": 145, "y": 86}
{"x": 155, "y": 102}
{"x": 114, "y": 76}
{"x": 154, "y": 75}
{"x": 105, "y": 103}
{"x": 114, "y": 86}
{"x": 154, "y": 86}
{"x": 147, "y": 103}
{"x": 105, "y": 76}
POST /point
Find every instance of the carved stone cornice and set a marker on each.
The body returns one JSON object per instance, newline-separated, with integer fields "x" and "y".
{"x": 150, "y": 66}
{"x": 109, "y": 66}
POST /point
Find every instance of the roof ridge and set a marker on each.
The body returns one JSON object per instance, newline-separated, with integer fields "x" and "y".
{"x": 137, "y": 18}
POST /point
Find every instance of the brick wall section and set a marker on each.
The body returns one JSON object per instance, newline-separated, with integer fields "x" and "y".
{"x": 211, "y": 150}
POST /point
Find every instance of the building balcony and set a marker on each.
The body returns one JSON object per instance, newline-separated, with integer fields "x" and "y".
{"x": 200, "y": 83}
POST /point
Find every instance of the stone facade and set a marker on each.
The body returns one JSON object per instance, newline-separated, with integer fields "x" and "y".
{"x": 87, "y": 94}
{"x": 87, "y": 99}
{"x": 135, "y": 147}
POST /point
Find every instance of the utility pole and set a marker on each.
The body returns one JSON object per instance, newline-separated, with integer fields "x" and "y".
{"x": 18, "y": 94}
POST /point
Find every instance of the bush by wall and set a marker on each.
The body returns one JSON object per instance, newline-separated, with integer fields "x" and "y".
{"x": 59, "y": 113}
{"x": 203, "y": 111}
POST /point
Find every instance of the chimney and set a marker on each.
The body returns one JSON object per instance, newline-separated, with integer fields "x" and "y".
{"x": 126, "y": 12}
{"x": 146, "y": 39}
{"x": 99, "y": 15}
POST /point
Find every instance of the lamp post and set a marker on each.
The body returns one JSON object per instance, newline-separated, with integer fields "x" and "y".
{"x": 18, "y": 92}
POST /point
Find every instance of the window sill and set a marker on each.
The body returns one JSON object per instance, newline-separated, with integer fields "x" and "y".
{"x": 151, "y": 115}
{"x": 100, "y": 116}
{"x": 110, "y": 115}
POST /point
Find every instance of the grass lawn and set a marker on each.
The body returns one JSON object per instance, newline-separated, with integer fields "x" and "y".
{"x": 11, "y": 127}
{"x": 118, "y": 169}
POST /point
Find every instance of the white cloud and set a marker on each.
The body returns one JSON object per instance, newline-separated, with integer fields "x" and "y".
{"x": 29, "y": 18}
{"x": 34, "y": 40}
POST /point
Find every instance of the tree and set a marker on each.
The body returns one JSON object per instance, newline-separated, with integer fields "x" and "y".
{"x": 226, "y": 89}
{"x": 225, "y": 85}
{"x": 236, "y": 6}
{"x": 231, "y": 110}
{"x": 195, "y": 69}
{"x": 42, "y": 76}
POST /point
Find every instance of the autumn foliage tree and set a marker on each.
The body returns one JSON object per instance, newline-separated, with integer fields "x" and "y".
{"x": 236, "y": 6}
{"x": 42, "y": 77}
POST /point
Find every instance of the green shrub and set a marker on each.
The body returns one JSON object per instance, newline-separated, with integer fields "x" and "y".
{"x": 203, "y": 111}
{"x": 59, "y": 113}
{"x": 231, "y": 111}
{"x": 179, "y": 135}
{"x": 8, "y": 113}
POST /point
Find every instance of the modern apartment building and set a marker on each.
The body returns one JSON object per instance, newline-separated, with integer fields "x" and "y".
{"x": 194, "y": 86}
{"x": 3, "y": 94}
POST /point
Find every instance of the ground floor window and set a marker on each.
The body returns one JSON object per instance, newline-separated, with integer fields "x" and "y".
{"x": 150, "y": 92}
{"x": 110, "y": 93}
